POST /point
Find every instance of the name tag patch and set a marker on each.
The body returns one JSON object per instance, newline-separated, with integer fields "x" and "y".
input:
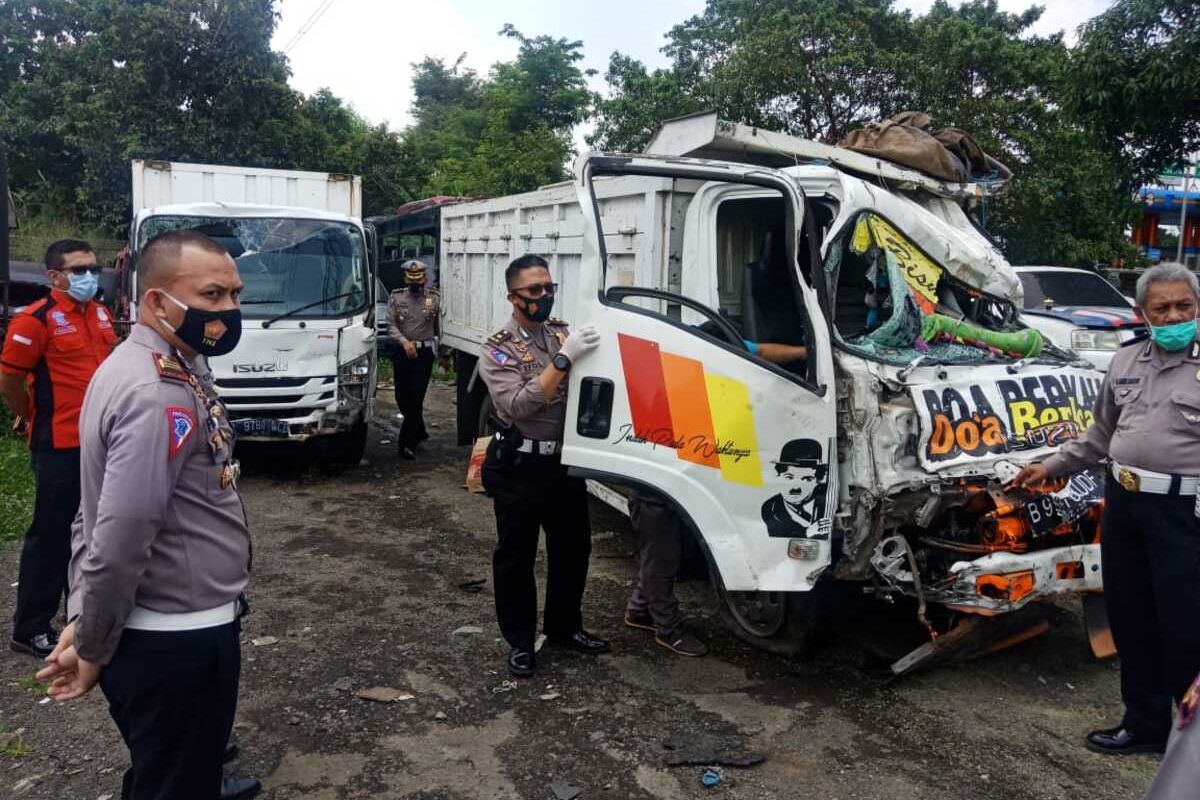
{"x": 180, "y": 426}
{"x": 25, "y": 340}
{"x": 1127, "y": 381}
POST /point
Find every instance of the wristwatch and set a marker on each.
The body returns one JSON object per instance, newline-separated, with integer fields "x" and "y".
{"x": 561, "y": 362}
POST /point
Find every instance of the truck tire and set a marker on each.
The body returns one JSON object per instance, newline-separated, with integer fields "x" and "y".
{"x": 348, "y": 447}
{"x": 785, "y": 623}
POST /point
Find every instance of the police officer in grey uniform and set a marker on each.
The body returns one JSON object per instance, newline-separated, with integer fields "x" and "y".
{"x": 414, "y": 311}
{"x": 524, "y": 366}
{"x": 161, "y": 547}
{"x": 1147, "y": 428}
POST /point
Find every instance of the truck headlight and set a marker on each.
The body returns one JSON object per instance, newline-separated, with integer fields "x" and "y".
{"x": 356, "y": 372}
{"x": 1084, "y": 339}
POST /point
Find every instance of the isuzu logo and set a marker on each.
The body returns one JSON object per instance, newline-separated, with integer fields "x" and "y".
{"x": 280, "y": 364}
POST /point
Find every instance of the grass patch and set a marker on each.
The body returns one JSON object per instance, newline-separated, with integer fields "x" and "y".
{"x": 34, "y": 686}
{"x": 16, "y": 484}
{"x": 12, "y": 745}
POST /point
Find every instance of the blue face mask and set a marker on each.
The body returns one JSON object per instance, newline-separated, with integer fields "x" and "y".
{"x": 83, "y": 287}
{"x": 1174, "y": 337}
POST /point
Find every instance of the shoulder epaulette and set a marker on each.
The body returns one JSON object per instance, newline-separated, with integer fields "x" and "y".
{"x": 1141, "y": 337}
{"x": 556, "y": 321}
{"x": 169, "y": 368}
{"x": 500, "y": 337}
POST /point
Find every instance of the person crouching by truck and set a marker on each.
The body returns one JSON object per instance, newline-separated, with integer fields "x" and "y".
{"x": 414, "y": 313}
{"x": 1147, "y": 432}
{"x": 51, "y": 350}
{"x": 525, "y": 366}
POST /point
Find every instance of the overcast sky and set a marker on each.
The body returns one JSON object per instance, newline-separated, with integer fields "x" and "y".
{"x": 363, "y": 49}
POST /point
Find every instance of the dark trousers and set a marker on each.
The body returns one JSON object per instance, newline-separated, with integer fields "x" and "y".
{"x": 173, "y": 696}
{"x": 1151, "y": 557}
{"x": 412, "y": 381}
{"x": 535, "y": 492}
{"x": 46, "y": 555}
{"x": 660, "y": 541}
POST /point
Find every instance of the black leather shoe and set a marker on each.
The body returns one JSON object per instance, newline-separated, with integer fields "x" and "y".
{"x": 39, "y": 646}
{"x": 239, "y": 787}
{"x": 1121, "y": 741}
{"x": 521, "y": 662}
{"x": 582, "y": 641}
{"x": 407, "y": 453}
{"x": 231, "y": 750}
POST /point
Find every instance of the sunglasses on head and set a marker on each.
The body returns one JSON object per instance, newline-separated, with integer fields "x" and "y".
{"x": 537, "y": 289}
{"x": 82, "y": 270}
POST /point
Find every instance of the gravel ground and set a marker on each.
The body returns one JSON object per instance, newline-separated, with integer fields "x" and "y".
{"x": 357, "y": 585}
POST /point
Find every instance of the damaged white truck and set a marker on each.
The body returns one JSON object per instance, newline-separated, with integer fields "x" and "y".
{"x": 882, "y": 457}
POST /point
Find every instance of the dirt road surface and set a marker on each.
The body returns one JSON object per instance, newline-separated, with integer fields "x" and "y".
{"x": 357, "y": 585}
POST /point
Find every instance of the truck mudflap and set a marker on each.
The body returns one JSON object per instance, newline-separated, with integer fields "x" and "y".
{"x": 997, "y": 583}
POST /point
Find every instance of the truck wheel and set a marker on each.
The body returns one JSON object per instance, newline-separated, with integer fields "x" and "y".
{"x": 349, "y": 447}
{"x": 787, "y": 623}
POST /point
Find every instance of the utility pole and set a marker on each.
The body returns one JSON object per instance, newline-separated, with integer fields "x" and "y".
{"x": 1183, "y": 213}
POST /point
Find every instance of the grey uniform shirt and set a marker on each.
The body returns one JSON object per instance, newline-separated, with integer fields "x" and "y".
{"x": 413, "y": 316}
{"x": 159, "y": 525}
{"x": 510, "y": 363}
{"x": 1147, "y": 414}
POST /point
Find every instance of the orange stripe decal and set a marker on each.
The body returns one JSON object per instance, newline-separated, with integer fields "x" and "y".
{"x": 687, "y": 394}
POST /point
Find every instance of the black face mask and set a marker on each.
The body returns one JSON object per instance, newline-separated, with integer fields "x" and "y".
{"x": 541, "y": 307}
{"x": 415, "y": 287}
{"x": 209, "y": 333}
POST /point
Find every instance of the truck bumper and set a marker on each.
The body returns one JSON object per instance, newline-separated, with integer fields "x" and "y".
{"x": 1001, "y": 582}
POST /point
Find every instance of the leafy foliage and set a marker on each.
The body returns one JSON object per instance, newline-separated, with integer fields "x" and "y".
{"x": 510, "y": 132}
{"x": 819, "y": 69}
{"x": 1135, "y": 78}
{"x": 89, "y": 85}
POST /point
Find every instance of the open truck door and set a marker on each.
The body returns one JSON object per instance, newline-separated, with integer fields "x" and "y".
{"x": 675, "y": 400}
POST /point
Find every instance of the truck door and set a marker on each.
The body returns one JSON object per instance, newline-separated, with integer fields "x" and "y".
{"x": 677, "y": 399}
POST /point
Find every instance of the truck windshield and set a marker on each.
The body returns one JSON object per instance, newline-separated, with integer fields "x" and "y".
{"x": 304, "y": 268}
{"x": 896, "y": 303}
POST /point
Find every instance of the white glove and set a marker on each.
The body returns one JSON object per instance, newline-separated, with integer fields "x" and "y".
{"x": 580, "y": 342}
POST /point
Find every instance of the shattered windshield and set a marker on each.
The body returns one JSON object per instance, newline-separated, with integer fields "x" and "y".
{"x": 895, "y": 303}
{"x": 285, "y": 264}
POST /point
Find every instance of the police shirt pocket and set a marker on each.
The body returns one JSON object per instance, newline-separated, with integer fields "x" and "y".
{"x": 1185, "y": 412}
{"x": 1126, "y": 395}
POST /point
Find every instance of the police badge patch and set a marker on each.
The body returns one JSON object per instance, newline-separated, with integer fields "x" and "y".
{"x": 180, "y": 426}
{"x": 500, "y": 357}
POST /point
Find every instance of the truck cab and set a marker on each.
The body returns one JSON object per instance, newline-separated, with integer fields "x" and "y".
{"x": 881, "y": 457}
{"x": 305, "y": 367}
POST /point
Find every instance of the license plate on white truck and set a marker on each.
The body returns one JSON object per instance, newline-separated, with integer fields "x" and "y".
{"x": 261, "y": 427}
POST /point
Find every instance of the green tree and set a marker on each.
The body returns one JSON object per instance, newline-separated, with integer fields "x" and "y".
{"x": 1135, "y": 78}
{"x": 92, "y": 84}
{"x": 819, "y": 69}
{"x": 638, "y": 101}
{"x": 814, "y": 68}
{"x": 509, "y": 132}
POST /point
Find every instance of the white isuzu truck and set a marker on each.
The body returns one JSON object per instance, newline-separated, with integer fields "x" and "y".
{"x": 305, "y": 366}
{"x": 882, "y": 458}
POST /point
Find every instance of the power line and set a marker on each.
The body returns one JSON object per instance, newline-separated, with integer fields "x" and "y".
{"x": 312, "y": 20}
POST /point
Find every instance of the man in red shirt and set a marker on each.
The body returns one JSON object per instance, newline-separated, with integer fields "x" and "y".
{"x": 51, "y": 351}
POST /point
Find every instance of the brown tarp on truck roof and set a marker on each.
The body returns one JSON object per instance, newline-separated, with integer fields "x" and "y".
{"x": 950, "y": 154}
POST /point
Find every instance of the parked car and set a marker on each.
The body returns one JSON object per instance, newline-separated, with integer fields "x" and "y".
{"x": 1079, "y": 310}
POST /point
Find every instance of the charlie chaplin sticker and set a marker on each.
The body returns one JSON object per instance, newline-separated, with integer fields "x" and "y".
{"x": 798, "y": 511}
